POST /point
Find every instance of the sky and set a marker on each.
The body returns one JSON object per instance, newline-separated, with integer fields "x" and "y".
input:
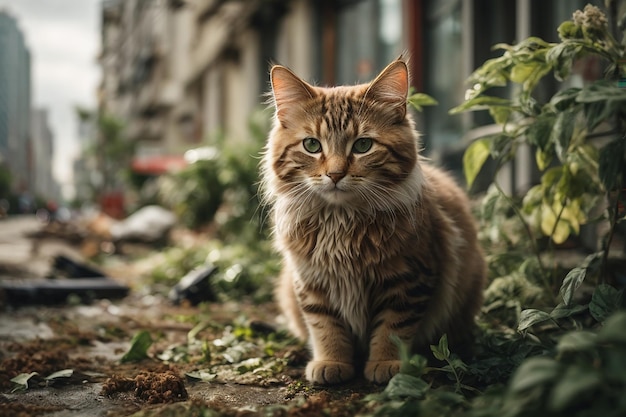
{"x": 63, "y": 37}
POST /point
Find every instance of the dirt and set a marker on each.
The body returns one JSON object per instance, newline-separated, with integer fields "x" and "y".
{"x": 87, "y": 341}
{"x": 150, "y": 387}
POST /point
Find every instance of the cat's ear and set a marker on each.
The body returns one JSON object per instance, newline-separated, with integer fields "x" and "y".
{"x": 391, "y": 87}
{"x": 288, "y": 90}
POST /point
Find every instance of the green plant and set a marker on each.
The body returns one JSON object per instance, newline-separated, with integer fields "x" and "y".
{"x": 109, "y": 153}
{"x": 579, "y": 142}
{"x": 222, "y": 187}
{"x": 195, "y": 193}
{"x": 585, "y": 376}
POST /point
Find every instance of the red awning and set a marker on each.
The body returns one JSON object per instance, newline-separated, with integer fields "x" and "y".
{"x": 158, "y": 164}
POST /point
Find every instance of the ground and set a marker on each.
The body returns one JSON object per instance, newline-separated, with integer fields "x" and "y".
{"x": 143, "y": 355}
{"x": 220, "y": 356}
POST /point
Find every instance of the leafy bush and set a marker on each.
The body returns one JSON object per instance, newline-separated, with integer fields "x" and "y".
{"x": 222, "y": 187}
{"x": 583, "y": 375}
{"x": 195, "y": 193}
{"x": 578, "y": 137}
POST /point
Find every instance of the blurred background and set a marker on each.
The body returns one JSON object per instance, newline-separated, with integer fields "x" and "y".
{"x": 161, "y": 84}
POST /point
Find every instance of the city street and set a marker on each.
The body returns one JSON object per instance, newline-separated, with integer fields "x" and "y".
{"x": 85, "y": 342}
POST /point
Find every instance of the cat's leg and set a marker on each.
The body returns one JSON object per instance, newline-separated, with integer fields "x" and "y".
{"x": 330, "y": 340}
{"x": 399, "y": 312}
{"x": 286, "y": 298}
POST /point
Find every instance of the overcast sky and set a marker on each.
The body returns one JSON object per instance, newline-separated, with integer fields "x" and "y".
{"x": 64, "y": 40}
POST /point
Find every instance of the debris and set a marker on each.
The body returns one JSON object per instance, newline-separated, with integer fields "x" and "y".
{"x": 195, "y": 287}
{"x": 73, "y": 269}
{"x": 151, "y": 387}
{"x": 57, "y": 291}
{"x": 83, "y": 281}
{"x": 149, "y": 224}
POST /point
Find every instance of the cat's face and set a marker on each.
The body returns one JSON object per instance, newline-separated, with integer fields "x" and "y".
{"x": 344, "y": 145}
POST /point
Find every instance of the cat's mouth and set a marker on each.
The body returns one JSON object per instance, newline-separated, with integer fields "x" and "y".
{"x": 336, "y": 194}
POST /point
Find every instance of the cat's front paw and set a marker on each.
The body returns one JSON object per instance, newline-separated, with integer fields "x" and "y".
{"x": 329, "y": 372}
{"x": 381, "y": 372}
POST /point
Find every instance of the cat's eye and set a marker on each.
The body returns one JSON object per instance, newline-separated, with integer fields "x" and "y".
{"x": 312, "y": 145}
{"x": 362, "y": 145}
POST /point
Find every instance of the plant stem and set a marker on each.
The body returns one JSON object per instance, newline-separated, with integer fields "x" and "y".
{"x": 531, "y": 237}
{"x": 613, "y": 220}
{"x": 456, "y": 376}
{"x": 551, "y": 240}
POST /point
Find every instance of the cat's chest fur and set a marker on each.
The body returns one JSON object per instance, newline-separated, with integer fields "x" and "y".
{"x": 342, "y": 253}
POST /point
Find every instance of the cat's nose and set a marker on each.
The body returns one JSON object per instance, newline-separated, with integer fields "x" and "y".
{"x": 336, "y": 176}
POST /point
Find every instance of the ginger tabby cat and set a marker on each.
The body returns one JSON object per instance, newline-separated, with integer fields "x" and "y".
{"x": 375, "y": 241}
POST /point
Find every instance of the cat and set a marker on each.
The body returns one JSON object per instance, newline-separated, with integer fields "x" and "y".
{"x": 375, "y": 241}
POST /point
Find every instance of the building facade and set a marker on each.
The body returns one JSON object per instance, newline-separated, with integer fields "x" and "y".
{"x": 42, "y": 182}
{"x": 15, "y": 102}
{"x": 181, "y": 70}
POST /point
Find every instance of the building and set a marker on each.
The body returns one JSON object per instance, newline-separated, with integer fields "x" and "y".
{"x": 15, "y": 102}
{"x": 42, "y": 182}
{"x": 144, "y": 57}
{"x": 180, "y": 70}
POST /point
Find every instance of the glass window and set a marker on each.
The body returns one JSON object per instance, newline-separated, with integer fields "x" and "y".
{"x": 444, "y": 72}
{"x": 369, "y": 36}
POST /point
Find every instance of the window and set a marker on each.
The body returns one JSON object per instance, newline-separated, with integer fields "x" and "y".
{"x": 369, "y": 36}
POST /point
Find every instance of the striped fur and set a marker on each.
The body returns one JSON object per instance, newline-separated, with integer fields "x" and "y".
{"x": 374, "y": 244}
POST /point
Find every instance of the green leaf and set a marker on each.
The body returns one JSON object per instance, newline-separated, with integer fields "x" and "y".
{"x": 596, "y": 113}
{"x": 538, "y": 133}
{"x": 500, "y": 114}
{"x": 572, "y": 281}
{"x": 544, "y": 159}
{"x": 562, "y": 310}
{"x": 21, "y": 380}
{"x": 490, "y": 203}
{"x": 139, "y": 346}
{"x": 561, "y": 57}
{"x": 409, "y": 364}
{"x": 614, "y": 329}
{"x": 565, "y": 99}
{"x": 601, "y": 91}
{"x": 522, "y": 71}
{"x": 576, "y": 276}
{"x": 611, "y": 163}
{"x": 534, "y": 78}
{"x": 441, "y": 351}
{"x": 501, "y": 147}
{"x": 530, "y": 317}
{"x": 419, "y": 100}
{"x": 201, "y": 375}
{"x": 576, "y": 385}
{"x": 605, "y": 301}
{"x": 562, "y": 132}
{"x": 474, "y": 158}
{"x": 556, "y": 228}
{"x": 403, "y": 386}
{"x": 569, "y": 29}
{"x": 65, "y": 373}
{"x": 415, "y": 366}
{"x": 490, "y": 74}
{"x": 481, "y": 103}
{"x": 534, "y": 372}
{"x": 576, "y": 342}
{"x": 603, "y": 100}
